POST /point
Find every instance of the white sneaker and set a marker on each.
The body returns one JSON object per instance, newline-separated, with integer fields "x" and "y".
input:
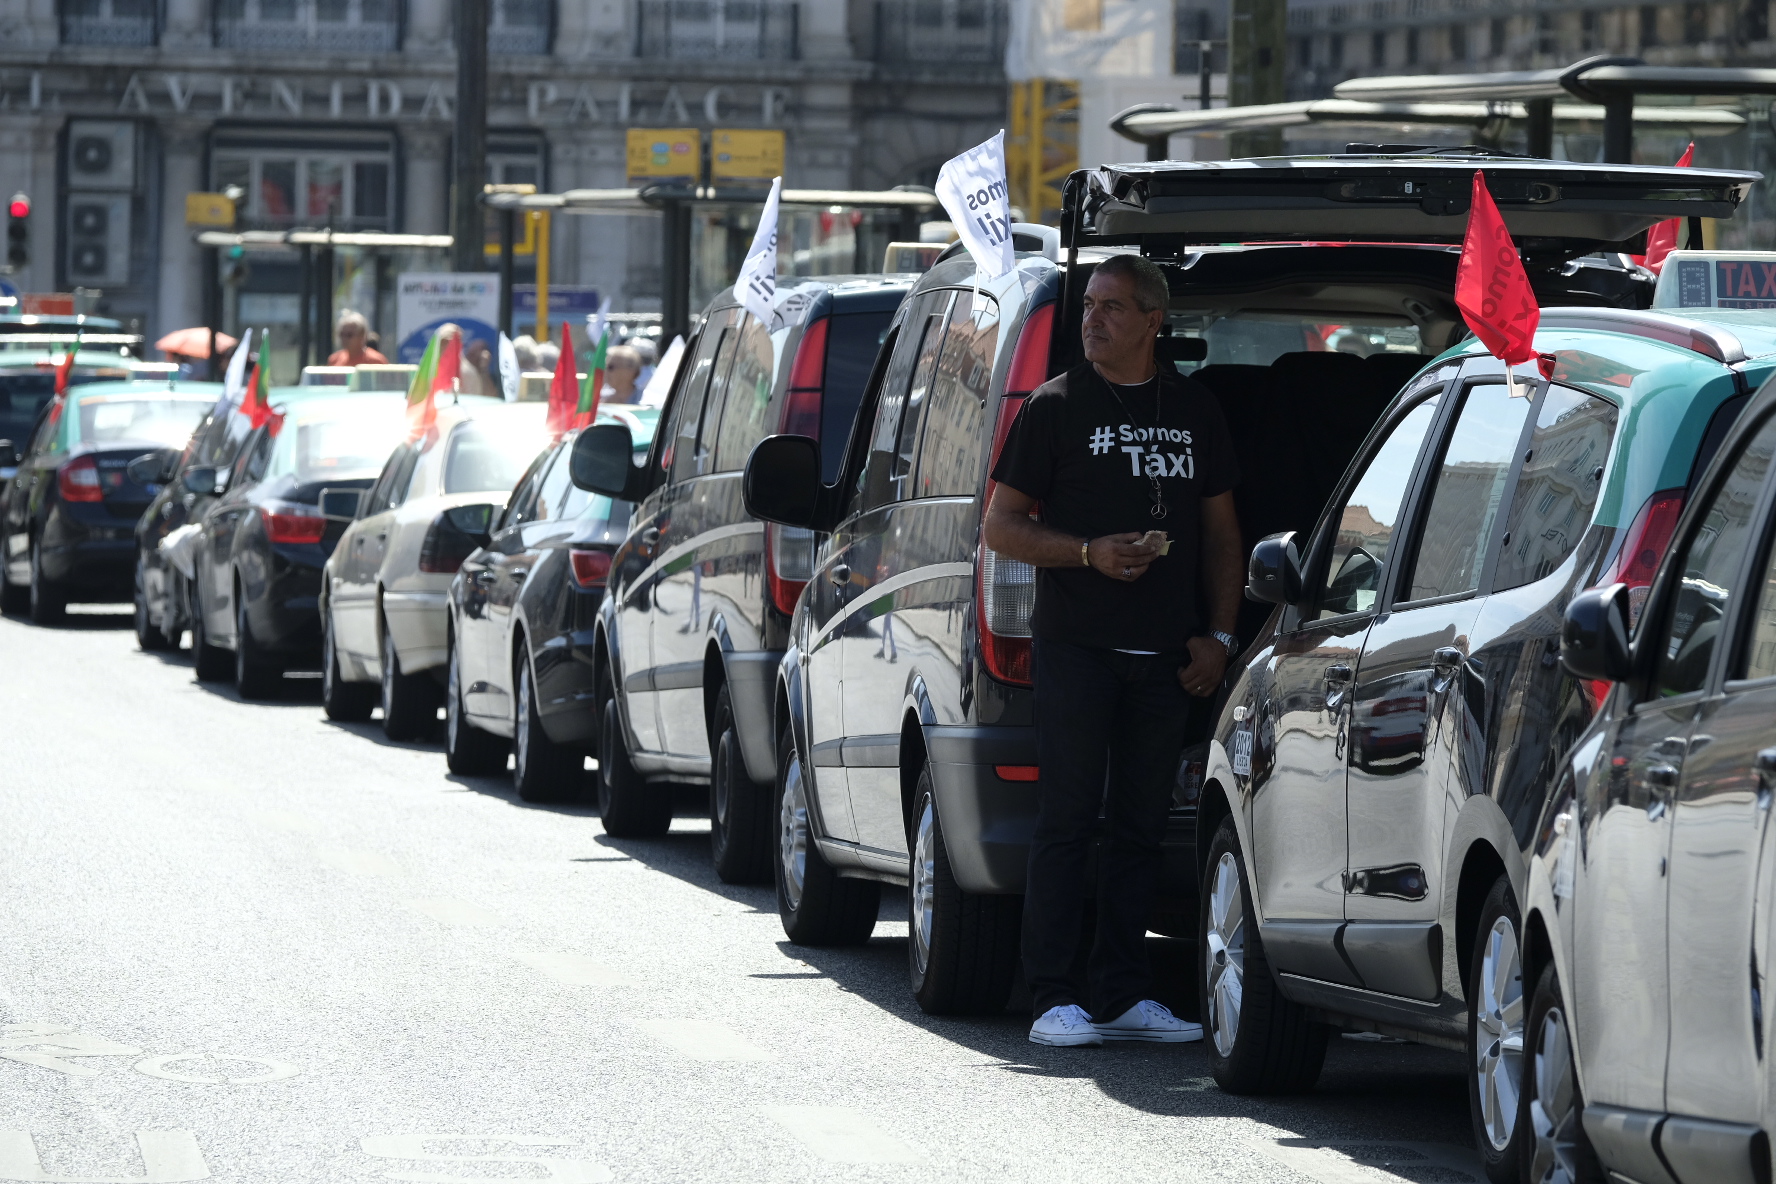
{"x": 1148, "y": 1020}
{"x": 1066, "y": 1026}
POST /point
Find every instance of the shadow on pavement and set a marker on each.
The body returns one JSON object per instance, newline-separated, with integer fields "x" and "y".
{"x": 84, "y": 618}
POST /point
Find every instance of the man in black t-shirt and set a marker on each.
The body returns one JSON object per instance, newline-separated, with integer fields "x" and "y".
{"x": 1125, "y": 627}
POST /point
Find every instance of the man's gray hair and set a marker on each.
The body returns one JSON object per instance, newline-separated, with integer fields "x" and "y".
{"x": 1151, "y": 290}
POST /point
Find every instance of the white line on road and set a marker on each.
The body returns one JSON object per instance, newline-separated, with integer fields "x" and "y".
{"x": 448, "y": 910}
{"x": 419, "y": 1147}
{"x": 1371, "y": 1161}
{"x": 576, "y": 970}
{"x": 170, "y": 1157}
{"x": 360, "y": 863}
{"x": 840, "y": 1134}
{"x": 274, "y": 1070}
{"x": 703, "y": 1040}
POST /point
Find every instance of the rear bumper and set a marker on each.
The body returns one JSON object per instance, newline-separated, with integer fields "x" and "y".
{"x": 419, "y": 622}
{"x": 104, "y": 568}
{"x": 987, "y": 821}
{"x": 285, "y": 616}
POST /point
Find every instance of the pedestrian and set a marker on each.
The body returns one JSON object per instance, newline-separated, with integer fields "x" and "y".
{"x": 649, "y": 353}
{"x": 622, "y": 368}
{"x": 476, "y": 374}
{"x": 1115, "y": 451}
{"x": 353, "y": 333}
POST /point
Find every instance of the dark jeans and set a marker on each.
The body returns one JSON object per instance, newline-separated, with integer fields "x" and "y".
{"x": 1110, "y": 729}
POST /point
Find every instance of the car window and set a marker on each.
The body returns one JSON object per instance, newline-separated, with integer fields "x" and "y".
{"x": 702, "y": 392}
{"x": 852, "y": 342}
{"x": 691, "y": 387}
{"x": 383, "y": 490}
{"x": 44, "y": 439}
{"x": 875, "y": 482}
{"x": 167, "y": 419}
{"x": 912, "y": 408}
{"x": 1366, "y": 520}
{"x": 480, "y": 459}
{"x": 1556, "y": 491}
{"x": 1466, "y": 490}
{"x": 1710, "y": 568}
{"x": 747, "y": 402}
{"x": 249, "y": 466}
{"x": 1757, "y": 652}
{"x": 552, "y": 491}
{"x": 950, "y": 454}
{"x": 523, "y": 501}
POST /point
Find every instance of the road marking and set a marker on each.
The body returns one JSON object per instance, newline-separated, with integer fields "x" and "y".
{"x": 703, "y": 1040}
{"x": 840, "y": 1134}
{"x": 45, "y": 1045}
{"x": 576, "y": 970}
{"x": 1372, "y": 1161}
{"x": 274, "y": 1070}
{"x": 168, "y": 1157}
{"x": 360, "y": 863}
{"x": 448, "y": 910}
{"x": 566, "y": 1171}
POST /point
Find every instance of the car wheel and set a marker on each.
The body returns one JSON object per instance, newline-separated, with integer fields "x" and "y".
{"x": 49, "y": 602}
{"x": 627, "y": 805}
{"x": 1495, "y": 1036}
{"x": 346, "y": 702}
{"x": 149, "y": 636}
{"x": 256, "y": 676}
{"x": 212, "y": 663}
{"x": 467, "y": 749}
{"x": 962, "y": 947}
{"x": 542, "y": 770}
{"x": 817, "y": 907}
{"x": 1555, "y": 1106}
{"x": 409, "y": 701}
{"x": 1259, "y": 1042}
{"x": 14, "y": 600}
{"x": 740, "y": 819}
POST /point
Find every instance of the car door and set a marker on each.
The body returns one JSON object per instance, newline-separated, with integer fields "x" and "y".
{"x": 509, "y": 564}
{"x": 222, "y": 527}
{"x": 370, "y": 545}
{"x": 1298, "y": 852}
{"x": 24, "y": 494}
{"x": 486, "y": 672}
{"x": 350, "y": 597}
{"x": 1406, "y": 700}
{"x": 1623, "y": 1008}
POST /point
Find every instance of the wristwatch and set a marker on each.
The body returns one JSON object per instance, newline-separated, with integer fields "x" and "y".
{"x": 1085, "y": 557}
{"x": 1227, "y": 639}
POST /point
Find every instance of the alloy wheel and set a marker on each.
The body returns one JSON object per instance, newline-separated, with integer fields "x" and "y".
{"x": 1498, "y": 1033}
{"x": 1554, "y": 1111}
{"x": 793, "y": 834}
{"x": 1226, "y": 940}
{"x": 924, "y": 892}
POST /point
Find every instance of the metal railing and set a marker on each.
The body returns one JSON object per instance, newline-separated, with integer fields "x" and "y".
{"x": 941, "y": 32}
{"x": 109, "y": 22}
{"x": 725, "y": 30}
{"x": 520, "y": 27}
{"x": 339, "y": 26}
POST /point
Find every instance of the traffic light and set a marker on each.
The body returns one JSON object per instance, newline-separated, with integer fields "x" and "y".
{"x": 18, "y": 231}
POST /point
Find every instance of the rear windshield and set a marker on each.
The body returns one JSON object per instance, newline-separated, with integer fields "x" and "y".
{"x": 851, "y": 344}
{"x": 166, "y": 419}
{"x": 1258, "y": 339}
{"x": 487, "y": 458}
{"x": 340, "y": 446}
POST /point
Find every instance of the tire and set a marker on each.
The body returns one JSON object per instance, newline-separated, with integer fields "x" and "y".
{"x": 1496, "y": 1006}
{"x": 542, "y": 770}
{"x": 962, "y": 947}
{"x": 817, "y": 907}
{"x": 409, "y": 701}
{"x": 256, "y": 676}
{"x": 14, "y": 600}
{"x": 49, "y": 601}
{"x": 149, "y": 636}
{"x": 212, "y": 663}
{"x": 467, "y": 749}
{"x": 344, "y": 702}
{"x": 740, "y": 822}
{"x": 627, "y": 807}
{"x": 1258, "y": 1042}
{"x": 1556, "y": 1150}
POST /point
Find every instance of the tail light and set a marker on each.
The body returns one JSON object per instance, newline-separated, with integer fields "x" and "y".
{"x": 1643, "y": 547}
{"x": 801, "y": 407}
{"x": 789, "y": 563}
{"x": 445, "y": 546}
{"x": 1006, "y": 588}
{"x": 78, "y": 481}
{"x": 591, "y": 567}
{"x": 292, "y": 522}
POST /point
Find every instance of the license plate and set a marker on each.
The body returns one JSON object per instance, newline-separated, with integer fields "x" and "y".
{"x": 1242, "y": 752}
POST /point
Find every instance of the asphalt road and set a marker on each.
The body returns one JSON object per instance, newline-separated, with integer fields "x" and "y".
{"x": 240, "y": 942}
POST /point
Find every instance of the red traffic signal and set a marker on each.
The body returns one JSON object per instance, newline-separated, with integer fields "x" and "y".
{"x": 20, "y": 206}
{"x": 18, "y": 245}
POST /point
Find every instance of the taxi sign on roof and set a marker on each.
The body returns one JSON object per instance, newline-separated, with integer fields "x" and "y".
{"x": 1717, "y": 279}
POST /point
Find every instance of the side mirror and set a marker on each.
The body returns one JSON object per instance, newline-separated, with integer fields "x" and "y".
{"x": 603, "y": 462}
{"x": 1274, "y": 574}
{"x": 149, "y": 468}
{"x": 782, "y": 480}
{"x": 476, "y": 521}
{"x": 203, "y": 480}
{"x": 341, "y": 505}
{"x": 1594, "y": 635}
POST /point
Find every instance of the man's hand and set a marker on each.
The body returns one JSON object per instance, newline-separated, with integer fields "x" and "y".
{"x": 1122, "y": 557}
{"x": 1208, "y": 662}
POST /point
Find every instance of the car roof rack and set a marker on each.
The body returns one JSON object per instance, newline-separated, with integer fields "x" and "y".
{"x": 1708, "y": 340}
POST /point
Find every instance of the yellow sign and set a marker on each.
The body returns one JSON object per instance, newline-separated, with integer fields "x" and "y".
{"x": 742, "y": 155}
{"x": 659, "y": 154}
{"x": 208, "y": 209}
{"x": 524, "y": 224}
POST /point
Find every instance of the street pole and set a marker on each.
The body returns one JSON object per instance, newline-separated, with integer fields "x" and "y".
{"x": 1255, "y": 51}
{"x": 470, "y": 172}
{"x": 542, "y": 273}
{"x": 506, "y": 218}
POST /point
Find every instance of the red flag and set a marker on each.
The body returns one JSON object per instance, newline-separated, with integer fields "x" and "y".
{"x": 65, "y": 370}
{"x": 1491, "y": 288}
{"x": 1662, "y": 239}
{"x": 256, "y": 403}
{"x": 564, "y": 388}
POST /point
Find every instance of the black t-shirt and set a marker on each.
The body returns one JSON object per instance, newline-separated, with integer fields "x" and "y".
{"x": 1087, "y": 458}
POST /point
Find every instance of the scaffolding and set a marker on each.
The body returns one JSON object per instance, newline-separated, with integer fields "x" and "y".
{"x": 1041, "y": 146}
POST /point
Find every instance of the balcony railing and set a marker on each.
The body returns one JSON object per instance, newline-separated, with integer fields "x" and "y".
{"x": 941, "y": 32}
{"x": 725, "y": 30}
{"x": 337, "y": 26}
{"x": 520, "y": 26}
{"x": 109, "y": 22}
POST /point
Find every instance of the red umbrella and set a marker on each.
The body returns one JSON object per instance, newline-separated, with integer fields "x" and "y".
{"x": 193, "y": 343}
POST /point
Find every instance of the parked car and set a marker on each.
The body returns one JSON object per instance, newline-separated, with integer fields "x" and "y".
{"x": 523, "y": 641}
{"x": 700, "y": 594}
{"x": 904, "y": 706}
{"x": 1647, "y": 915}
{"x": 384, "y": 618}
{"x": 69, "y": 508}
{"x": 257, "y": 583}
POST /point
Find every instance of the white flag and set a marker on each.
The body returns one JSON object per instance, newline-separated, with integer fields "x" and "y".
{"x": 508, "y": 369}
{"x": 756, "y": 284}
{"x": 973, "y": 190}
{"x": 235, "y": 377}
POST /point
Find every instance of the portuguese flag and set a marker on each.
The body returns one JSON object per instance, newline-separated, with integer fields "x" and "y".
{"x": 588, "y": 409}
{"x": 256, "y": 402}
{"x": 438, "y": 371}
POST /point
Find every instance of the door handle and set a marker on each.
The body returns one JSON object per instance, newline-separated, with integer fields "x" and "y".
{"x": 1338, "y": 673}
{"x": 1448, "y": 655}
{"x": 650, "y": 536}
{"x": 839, "y": 574}
{"x": 1766, "y": 763}
{"x": 1663, "y": 776}
{"x": 483, "y": 577}
{"x": 1672, "y": 746}
{"x": 518, "y": 573}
